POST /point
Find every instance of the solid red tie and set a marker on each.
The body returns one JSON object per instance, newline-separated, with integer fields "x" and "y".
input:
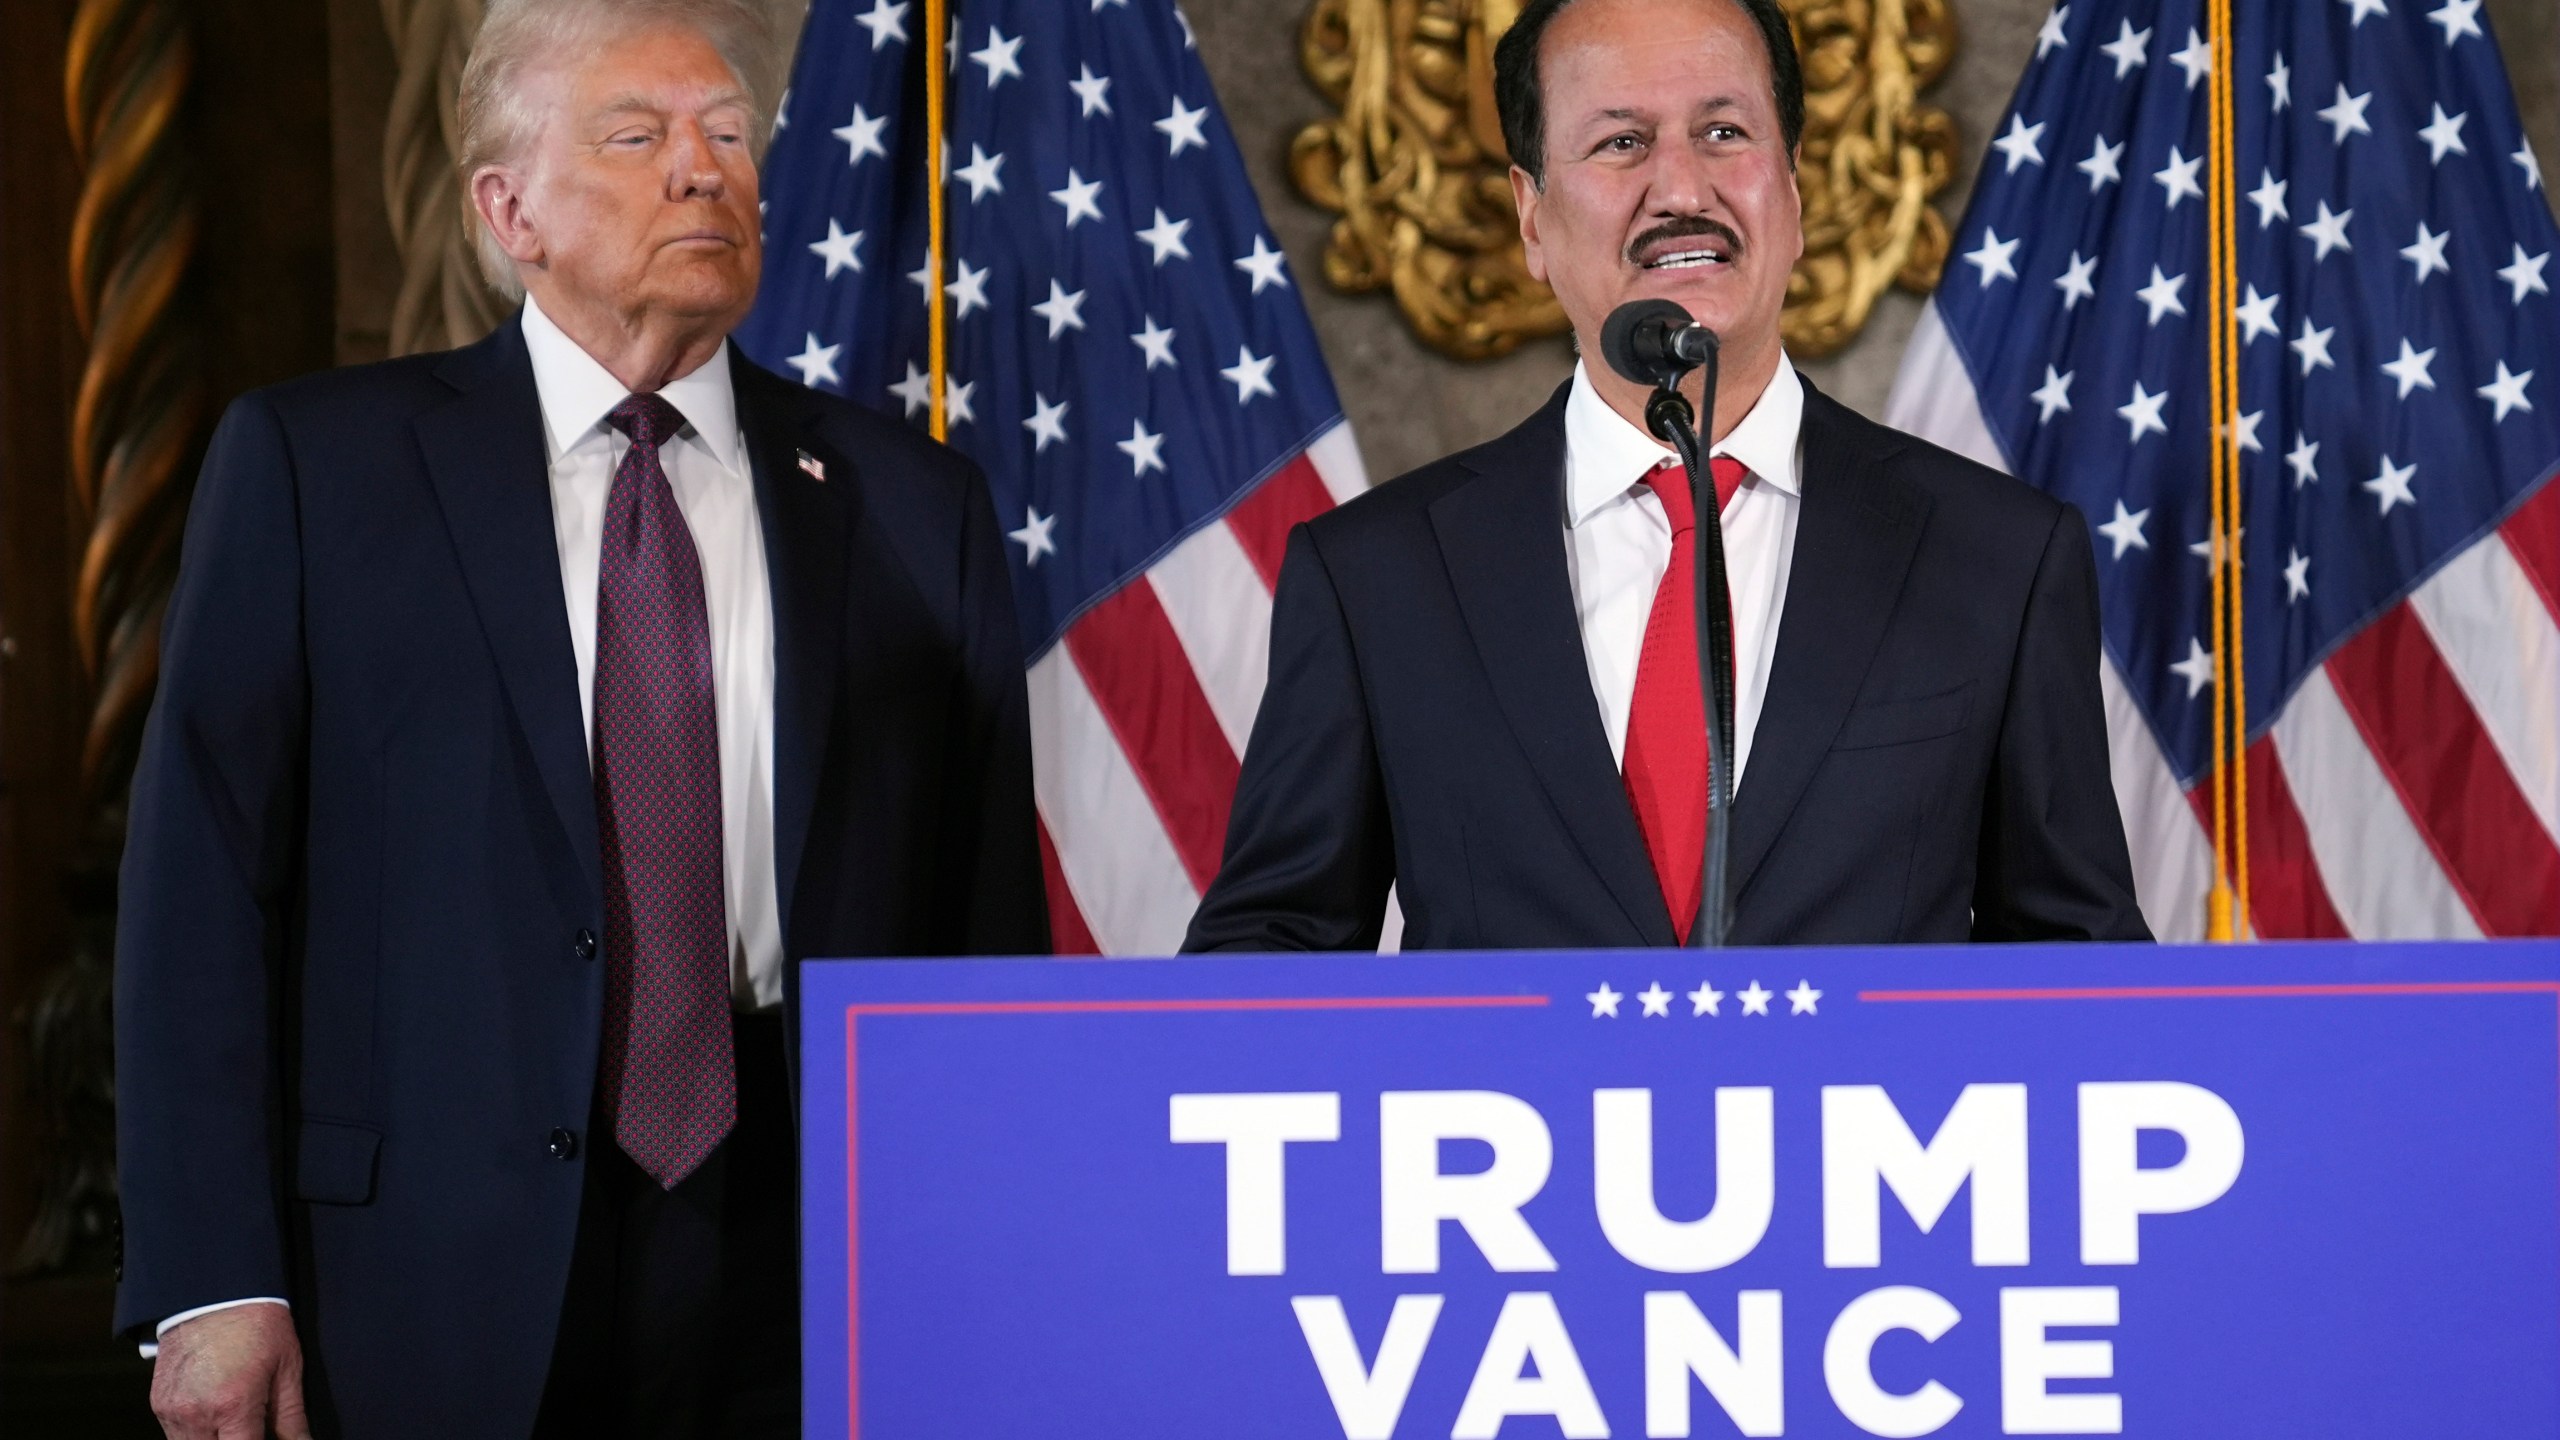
{"x": 1666, "y": 759}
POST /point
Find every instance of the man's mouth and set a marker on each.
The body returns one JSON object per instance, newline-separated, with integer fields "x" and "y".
{"x": 1688, "y": 259}
{"x": 1691, "y": 245}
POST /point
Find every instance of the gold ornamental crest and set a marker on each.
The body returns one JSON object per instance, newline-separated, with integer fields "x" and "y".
{"x": 1415, "y": 165}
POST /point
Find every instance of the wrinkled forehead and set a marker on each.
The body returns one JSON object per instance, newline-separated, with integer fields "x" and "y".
{"x": 1635, "y": 60}
{"x": 657, "y": 72}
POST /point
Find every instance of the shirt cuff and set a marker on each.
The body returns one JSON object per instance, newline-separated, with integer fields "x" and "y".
{"x": 151, "y": 1348}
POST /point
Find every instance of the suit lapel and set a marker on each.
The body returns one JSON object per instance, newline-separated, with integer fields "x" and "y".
{"x": 805, "y": 520}
{"x": 1502, "y": 537}
{"x": 485, "y": 454}
{"x": 1854, "y": 543}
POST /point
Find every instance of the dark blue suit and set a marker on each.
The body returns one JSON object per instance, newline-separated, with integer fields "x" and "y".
{"x": 1930, "y": 762}
{"x": 358, "y": 987}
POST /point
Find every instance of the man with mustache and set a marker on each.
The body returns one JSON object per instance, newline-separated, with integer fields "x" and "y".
{"x": 528, "y": 713}
{"x": 1484, "y": 688}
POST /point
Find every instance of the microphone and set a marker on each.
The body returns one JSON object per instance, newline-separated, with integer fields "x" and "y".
{"x": 1655, "y": 342}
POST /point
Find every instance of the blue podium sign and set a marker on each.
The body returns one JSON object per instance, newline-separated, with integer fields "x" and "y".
{"x": 2264, "y": 1192}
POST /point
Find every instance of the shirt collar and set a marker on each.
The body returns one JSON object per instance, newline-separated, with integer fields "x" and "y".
{"x": 1609, "y": 455}
{"x": 577, "y": 393}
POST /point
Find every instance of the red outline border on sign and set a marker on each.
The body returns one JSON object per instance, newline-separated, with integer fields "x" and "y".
{"x": 852, "y": 1111}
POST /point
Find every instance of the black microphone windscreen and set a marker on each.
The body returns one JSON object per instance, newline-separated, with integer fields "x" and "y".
{"x": 1635, "y": 339}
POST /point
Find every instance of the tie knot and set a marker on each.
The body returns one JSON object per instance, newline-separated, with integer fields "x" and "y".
{"x": 648, "y": 419}
{"x": 1671, "y": 485}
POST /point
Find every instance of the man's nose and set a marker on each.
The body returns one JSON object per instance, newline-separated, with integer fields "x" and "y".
{"x": 693, "y": 166}
{"x": 1681, "y": 182}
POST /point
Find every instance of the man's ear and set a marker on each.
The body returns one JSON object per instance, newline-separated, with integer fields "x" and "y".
{"x": 498, "y": 194}
{"x": 1525, "y": 195}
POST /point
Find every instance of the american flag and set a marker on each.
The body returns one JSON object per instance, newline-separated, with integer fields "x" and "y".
{"x": 2397, "y": 430}
{"x": 1128, "y": 358}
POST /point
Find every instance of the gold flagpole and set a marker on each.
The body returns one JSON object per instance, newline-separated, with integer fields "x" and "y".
{"x": 936, "y": 99}
{"x": 2227, "y": 916}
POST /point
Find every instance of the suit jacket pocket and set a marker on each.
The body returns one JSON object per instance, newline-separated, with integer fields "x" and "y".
{"x": 1902, "y": 722}
{"x": 335, "y": 1162}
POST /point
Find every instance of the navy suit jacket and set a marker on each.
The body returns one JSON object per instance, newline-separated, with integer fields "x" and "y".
{"x": 1930, "y": 762}
{"x": 358, "y": 985}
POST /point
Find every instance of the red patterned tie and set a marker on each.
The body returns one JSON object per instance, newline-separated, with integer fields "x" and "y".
{"x": 670, "y": 1080}
{"x": 1666, "y": 760}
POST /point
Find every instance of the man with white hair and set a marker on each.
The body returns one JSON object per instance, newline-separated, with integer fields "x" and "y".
{"x": 527, "y": 713}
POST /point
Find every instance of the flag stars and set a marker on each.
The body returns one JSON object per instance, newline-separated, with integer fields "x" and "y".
{"x": 1250, "y": 376}
{"x": 2363, "y": 9}
{"x": 2507, "y": 392}
{"x": 1265, "y": 265}
{"x": 2427, "y": 252}
{"x": 2049, "y": 37}
{"x": 1048, "y": 423}
{"x": 2257, "y": 316}
{"x": 997, "y": 57}
{"x": 981, "y": 174}
{"x": 2297, "y": 575}
{"x": 1064, "y": 310}
{"x": 1034, "y": 537}
{"x": 2244, "y": 432}
{"x": 2019, "y": 145}
{"x": 2313, "y": 347}
{"x": 2142, "y": 414}
{"x": 837, "y": 250}
{"x": 1181, "y": 128}
{"x": 1604, "y": 1002}
{"x": 861, "y": 136}
{"x": 968, "y": 291}
{"x": 2179, "y": 179}
{"x": 1165, "y": 237}
{"x": 815, "y": 362}
{"x": 2524, "y": 276}
{"x": 2443, "y": 134}
{"x": 1144, "y": 449}
{"x": 2304, "y": 458}
{"x": 1655, "y": 1000}
{"x": 2196, "y": 669}
{"x": 1755, "y": 1000}
{"x": 1802, "y": 999}
{"x": 2101, "y": 167}
{"x": 2075, "y": 283}
{"x": 1093, "y": 92}
{"x": 1705, "y": 1000}
{"x": 2328, "y": 232}
{"x": 2346, "y": 115}
{"x": 2391, "y": 486}
{"x": 2053, "y": 397}
{"x": 2411, "y": 369}
{"x": 2531, "y": 166}
{"x": 2280, "y": 85}
{"x": 2161, "y": 295}
{"x": 915, "y": 392}
{"x": 886, "y": 21}
{"x": 2196, "y": 59}
{"x": 2269, "y": 198}
{"x": 2459, "y": 18}
{"x": 955, "y": 400}
{"x": 2125, "y": 531}
{"x": 1992, "y": 258}
{"x": 1157, "y": 342}
{"x": 2129, "y": 49}
{"x": 1080, "y": 197}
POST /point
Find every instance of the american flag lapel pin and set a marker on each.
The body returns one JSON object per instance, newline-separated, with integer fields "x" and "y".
{"x": 810, "y": 463}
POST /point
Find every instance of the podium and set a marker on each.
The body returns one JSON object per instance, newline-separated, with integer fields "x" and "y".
{"x": 2272, "y": 1191}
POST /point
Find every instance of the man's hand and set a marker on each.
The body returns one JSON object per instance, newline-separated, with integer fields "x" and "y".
{"x": 231, "y": 1375}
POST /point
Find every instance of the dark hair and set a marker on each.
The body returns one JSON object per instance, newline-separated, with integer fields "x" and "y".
{"x": 1524, "y": 111}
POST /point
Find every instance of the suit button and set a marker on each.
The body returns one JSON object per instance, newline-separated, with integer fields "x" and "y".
{"x": 564, "y": 1144}
{"x": 584, "y": 947}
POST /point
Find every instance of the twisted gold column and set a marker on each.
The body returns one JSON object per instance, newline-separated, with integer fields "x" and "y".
{"x": 443, "y": 301}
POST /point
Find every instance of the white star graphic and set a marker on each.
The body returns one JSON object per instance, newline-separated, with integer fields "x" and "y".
{"x": 980, "y": 174}
{"x": 2131, "y": 47}
{"x": 2391, "y": 487}
{"x": 951, "y": 48}
{"x": 2427, "y": 253}
{"x": 2346, "y": 115}
{"x": 1182, "y": 127}
{"x": 2524, "y": 158}
{"x": 1079, "y": 197}
{"x": 1098, "y": 4}
{"x": 2443, "y": 134}
{"x": 1145, "y": 451}
{"x": 2313, "y": 346}
{"x": 2459, "y": 18}
{"x": 1264, "y": 265}
{"x": 2196, "y": 669}
{"x": 1190, "y": 41}
{"x": 2101, "y": 167}
{"x": 1034, "y": 537}
{"x": 1801, "y": 1000}
{"x": 1755, "y": 1001}
{"x": 2280, "y": 85}
{"x": 1250, "y": 376}
{"x": 1093, "y": 92}
{"x": 862, "y": 136}
{"x": 998, "y": 57}
{"x": 2075, "y": 283}
{"x": 2269, "y": 198}
{"x": 2304, "y": 457}
{"x": 968, "y": 291}
{"x": 2053, "y": 397}
{"x": 2297, "y": 575}
{"x": 2196, "y": 59}
{"x": 916, "y": 390}
{"x": 2049, "y": 37}
{"x": 2328, "y": 231}
{"x": 886, "y": 20}
{"x": 956, "y": 408}
{"x": 2210, "y": 550}
{"x": 1165, "y": 237}
{"x": 1706, "y": 1000}
{"x": 2507, "y": 392}
{"x": 2161, "y": 295}
{"x": 2257, "y": 316}
{"x": 2411, "y": 369}
{"x": 2525, "y": 275}
{"x": 1064, "y": 310}
{"x": 781, "y": 121}
{"x": 2179, "y": 178}
{"x": 921, "y": 277}
{"x": 837, "y": 249}
{"x": 1048, "y": 423}
{"x": 1604, "y": 1001}
{"x": 815, "y": 362}
{"x": 2143, "y": 414}
{"x": 1156, "y": 342}
{"x": 2364, "y": 8}
{"x": 2019, "y": 145}
{"x": 1992, "y": 258}
{"x": 2126, "y": 530}
{"x": 1656, "y": 1000}
{"x": 2244, "y": 433}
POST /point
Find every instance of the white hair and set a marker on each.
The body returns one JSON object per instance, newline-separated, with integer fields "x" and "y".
{"x": 498, "y": 113}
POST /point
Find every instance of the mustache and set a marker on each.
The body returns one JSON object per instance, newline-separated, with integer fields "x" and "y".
{"x": 1683, "y": 228}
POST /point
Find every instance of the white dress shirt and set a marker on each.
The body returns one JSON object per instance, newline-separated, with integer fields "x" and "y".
{"x": 707, "y": 466}
{"x": 1618, "y": 543}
